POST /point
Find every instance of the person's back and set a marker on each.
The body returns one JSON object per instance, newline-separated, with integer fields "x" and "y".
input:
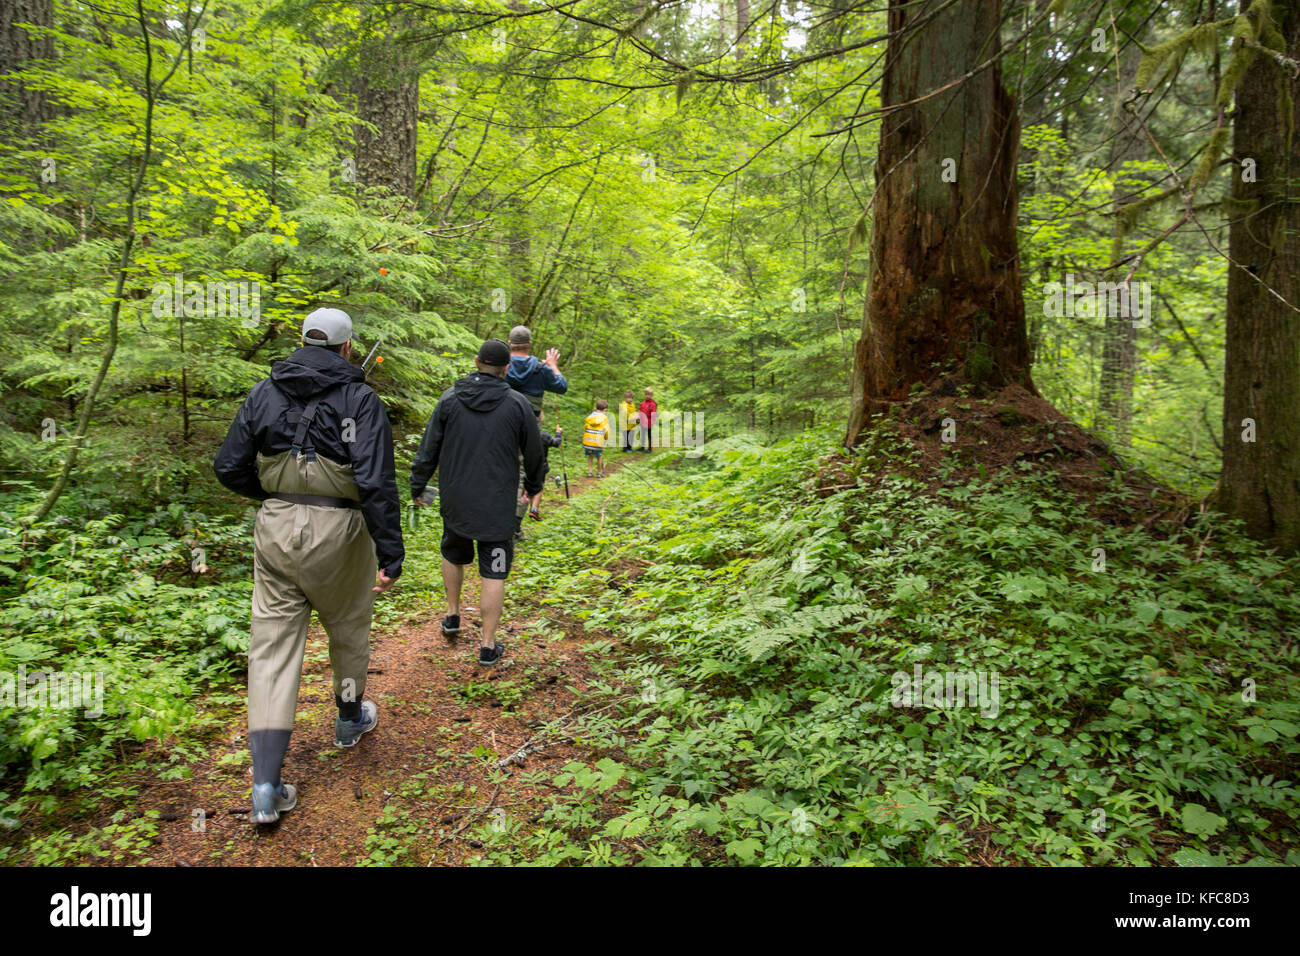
{"x": 313, "y": 444}
{"x": 595, "y": 435}
{"x": 528, "y": 375}
{"x": 479, "y": 426}
{"x": 596, "y": 429}
{"x": 532, "y": 379}
{"x": 478, "y": 433}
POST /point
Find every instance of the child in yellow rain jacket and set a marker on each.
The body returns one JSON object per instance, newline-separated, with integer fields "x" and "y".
{"x": 630, "y": 420}
{"x": 595, "y": 434}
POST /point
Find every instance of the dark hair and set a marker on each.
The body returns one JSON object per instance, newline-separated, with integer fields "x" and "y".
{"x": 315, "y": 336}
{"x": 602, "y": 405}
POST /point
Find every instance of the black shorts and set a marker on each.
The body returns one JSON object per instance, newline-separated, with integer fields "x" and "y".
{"x": 494, "y": 557}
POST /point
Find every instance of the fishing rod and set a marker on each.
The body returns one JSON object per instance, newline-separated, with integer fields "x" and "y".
{"x": 373, "y": 355}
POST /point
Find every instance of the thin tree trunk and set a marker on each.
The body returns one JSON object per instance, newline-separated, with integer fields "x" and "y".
{"x": 134, "y": 187}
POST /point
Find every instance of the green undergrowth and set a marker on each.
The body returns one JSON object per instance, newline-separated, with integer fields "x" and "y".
{"x": 150, "y": 612}
{"x": 757, "y": 633}
{"x": 145, "y": 612}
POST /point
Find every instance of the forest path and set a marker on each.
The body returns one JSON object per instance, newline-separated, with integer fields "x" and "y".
{"x": 411, "y": 790}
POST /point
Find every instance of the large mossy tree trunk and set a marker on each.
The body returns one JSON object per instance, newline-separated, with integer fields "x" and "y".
{"x": 1260, "y": 483}
{"x": 944, "y": 292}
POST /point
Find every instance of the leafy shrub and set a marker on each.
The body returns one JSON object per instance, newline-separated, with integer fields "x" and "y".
{"x": 1148, "y": 711}
{"x": 156, "y": 605}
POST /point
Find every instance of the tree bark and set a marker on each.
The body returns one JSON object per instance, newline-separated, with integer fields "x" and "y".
{"x": 20, "y": 105}
{"x": 387, "y": 89}
{"x": 1260, "y": 482}
{"x": 944, "y": 291}
{"x": 1119, "y": 348}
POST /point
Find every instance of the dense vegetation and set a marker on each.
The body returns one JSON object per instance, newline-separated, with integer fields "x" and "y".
{"x": 676, "y": 196}
{"x": 752, "y": 612}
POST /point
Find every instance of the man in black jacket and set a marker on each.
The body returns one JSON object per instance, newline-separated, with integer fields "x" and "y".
{"x": 474, "y": 439}
{"x": 313, "y": 444}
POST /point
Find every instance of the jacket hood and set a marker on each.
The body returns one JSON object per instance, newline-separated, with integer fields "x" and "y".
{"x": 480, "y": 391}
{"x": 311, "y": 370}
{"x": 521, "y": 366}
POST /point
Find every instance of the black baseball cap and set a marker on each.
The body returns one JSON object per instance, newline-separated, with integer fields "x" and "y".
{"x": 494, "y": 352}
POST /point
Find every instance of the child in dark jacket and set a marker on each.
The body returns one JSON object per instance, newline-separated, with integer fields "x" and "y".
{"x": 549, "y": 441}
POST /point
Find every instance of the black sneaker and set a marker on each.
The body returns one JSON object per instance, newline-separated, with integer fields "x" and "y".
{"x": 451, "y": 626}
{"x": 534, "y": 514}
{"x": 490, "y": 658}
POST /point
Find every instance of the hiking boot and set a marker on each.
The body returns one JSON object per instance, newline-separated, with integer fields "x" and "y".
{"x": 490, "y": 658}
{"x": 451, "y": 626}
{"x": 269, "y": 803}
{"x": 348, "y": 732}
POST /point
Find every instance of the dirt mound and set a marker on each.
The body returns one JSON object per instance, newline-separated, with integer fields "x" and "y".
{"x": 951, "y": 437}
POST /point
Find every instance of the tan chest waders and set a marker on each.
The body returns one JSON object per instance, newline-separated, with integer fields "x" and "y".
{"x": 311, "y": 551}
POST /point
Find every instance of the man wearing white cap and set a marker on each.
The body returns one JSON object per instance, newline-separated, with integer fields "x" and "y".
{"x": 314, "y": 445}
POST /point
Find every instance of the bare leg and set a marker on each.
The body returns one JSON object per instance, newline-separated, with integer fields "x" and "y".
{"x": 453, "y": 577}
{"x": 492, "y": 597}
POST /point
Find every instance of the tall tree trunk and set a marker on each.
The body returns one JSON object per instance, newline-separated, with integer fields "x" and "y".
{"x": 387, "y": 89}
{"x": 944, "y": 290}
{"x": 1260, "y": 483}
{"x": 1119, "y": 349}
{"x": 23, "y": 109}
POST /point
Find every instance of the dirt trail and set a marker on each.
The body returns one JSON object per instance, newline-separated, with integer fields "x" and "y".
{"x": 411, "y": 790}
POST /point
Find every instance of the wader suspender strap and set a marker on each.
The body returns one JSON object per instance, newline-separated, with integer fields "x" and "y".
{"x": 304, "y": 423}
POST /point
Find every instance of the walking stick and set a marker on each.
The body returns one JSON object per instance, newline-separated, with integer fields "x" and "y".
{"x": 564, "y": 468}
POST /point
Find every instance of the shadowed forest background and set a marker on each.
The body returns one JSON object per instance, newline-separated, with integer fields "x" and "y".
{"x": 864, "y": 241}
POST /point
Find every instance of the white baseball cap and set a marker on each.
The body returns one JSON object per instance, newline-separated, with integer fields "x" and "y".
{"x": 335, "y": 323}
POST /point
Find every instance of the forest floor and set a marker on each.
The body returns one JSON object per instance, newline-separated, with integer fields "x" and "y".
{"x": 423, "y": 779}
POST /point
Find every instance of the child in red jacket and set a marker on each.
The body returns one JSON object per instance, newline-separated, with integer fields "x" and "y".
{"x": 649, "y": 412}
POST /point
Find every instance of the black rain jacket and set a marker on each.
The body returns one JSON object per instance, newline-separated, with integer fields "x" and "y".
{"x": 474, "y": 438}
{"x": 269, "y": 416}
